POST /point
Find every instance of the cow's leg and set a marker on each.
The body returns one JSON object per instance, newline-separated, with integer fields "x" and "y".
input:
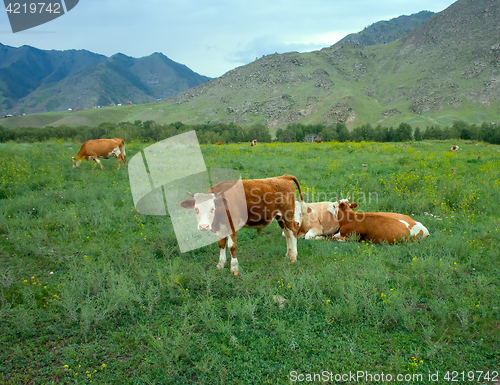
{"x": 313, "y": 234}
{"x": 222, "y": 256}
{"x": 291, "y": 240}
{"x": 232, "y": 247}
{"x": 291, "y": 245}
{"x": 339, "y": 237}
{"x": 119, "y": 161}
{"x": 95, "y": 158}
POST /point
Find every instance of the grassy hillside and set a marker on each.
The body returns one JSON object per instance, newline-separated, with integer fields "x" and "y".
{"x": 92, "y": 290}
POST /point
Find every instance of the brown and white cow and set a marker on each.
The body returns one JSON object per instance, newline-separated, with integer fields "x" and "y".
{"x": 101, "y": 148}
{"x": 322, "y": 220}
{"x": 223, "y": 212}
{"x": 454, "y": 148}
{"x": 254, "y": 143}
{"x": 377, "y": 227}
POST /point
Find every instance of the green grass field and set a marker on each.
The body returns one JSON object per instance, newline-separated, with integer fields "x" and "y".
{"x": 94, "y": 292}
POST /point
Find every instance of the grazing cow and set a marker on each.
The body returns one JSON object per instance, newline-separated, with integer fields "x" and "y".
{"x": 254, "y": 143}
{"x": 454, "y": 148}
{"x": 223, "y": 212}
{"x": 101, "y": 148}
{"x": 317, "y": 141}
{"x": 219, "y": 144}
{"x": 377, "y": 227}
{"x": 322, "y": 220}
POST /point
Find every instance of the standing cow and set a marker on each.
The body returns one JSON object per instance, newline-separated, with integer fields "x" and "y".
{"x": 377, "y": 227}
{"x": 101, "y": 148}
{"x": 223, "y": 212}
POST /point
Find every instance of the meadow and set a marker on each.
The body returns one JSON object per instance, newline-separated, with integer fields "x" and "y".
{"x": 91, "y": 291}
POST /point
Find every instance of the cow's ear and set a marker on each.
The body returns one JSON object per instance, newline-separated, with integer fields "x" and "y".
{"x": 309, "y": 210}
{"x": 353, "y": 205}
{"x": 188, "y": 204}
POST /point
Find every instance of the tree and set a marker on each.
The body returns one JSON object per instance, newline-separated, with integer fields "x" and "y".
{"x": 417, "y": 134}
{"x": 342, "y": 132}
{"x": 329, "y": 134}
{"x": 260, "y": 132}
{"x": 403, "y": 133}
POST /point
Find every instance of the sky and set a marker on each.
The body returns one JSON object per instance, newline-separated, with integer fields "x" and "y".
{"x": 210, "y": 37}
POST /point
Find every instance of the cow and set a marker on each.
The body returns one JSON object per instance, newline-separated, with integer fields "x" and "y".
{"x": 101, "y": 148}
{"x": 254, "y": 143}
{"x": 377, "y": 227}
{"x": 223, "y": 212}
{"x": 219, "y": 144}
{"x": 317, "y": 141}
{"x": 454, "y": 148}
{"x": 322, "y": 220}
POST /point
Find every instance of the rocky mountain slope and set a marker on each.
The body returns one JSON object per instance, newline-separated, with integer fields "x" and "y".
{"x": 447, "y": 67}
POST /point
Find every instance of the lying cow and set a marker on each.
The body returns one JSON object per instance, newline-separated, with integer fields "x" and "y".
{"x": 223, "y": 212}
{"x": 377, "y": 227}
{"x": 322, "y": 220}
{"x": 101, "y": 148}
{"x": 254, "y": 143}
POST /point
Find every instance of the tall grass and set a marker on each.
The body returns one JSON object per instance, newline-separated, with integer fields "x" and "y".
{"x": 91, "y": 290}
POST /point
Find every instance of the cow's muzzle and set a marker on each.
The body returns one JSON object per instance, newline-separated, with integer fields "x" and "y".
{"x": 204, "y": 227}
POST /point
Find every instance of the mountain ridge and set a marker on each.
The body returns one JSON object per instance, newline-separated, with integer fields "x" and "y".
{"x": 446, "y": 69}
{"x": 383, "y": 32}
{"x": 34, "y": 80}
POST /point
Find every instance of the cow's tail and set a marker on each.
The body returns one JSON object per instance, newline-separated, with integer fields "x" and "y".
{"x": 291, "y": 177}
{"x": 122, "y": 147}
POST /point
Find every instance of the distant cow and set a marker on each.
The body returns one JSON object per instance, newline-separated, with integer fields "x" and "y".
{"x": 317, "y": 141}
{"x": 454, "y": 148}
{"x": 322, "y": 219}
{"x": 219, "y": 144}
{"x": 101, "y": 148}
{"x": 377, "y": 227}
{"x": 221, "y": 210}
{"x": 254, "y": 143}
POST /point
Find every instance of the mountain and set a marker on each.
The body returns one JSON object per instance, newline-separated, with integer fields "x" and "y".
{"x": 34, "y": 80}
{"x": 384, "y": 32}
{"x": 446, "y": 69}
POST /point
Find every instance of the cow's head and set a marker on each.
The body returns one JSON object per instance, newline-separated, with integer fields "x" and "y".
{"x": 205, "y": 206}
{"x": 76, "y": 161}
{"x": 335, "y": 206}
{"x": 342, "y": 207}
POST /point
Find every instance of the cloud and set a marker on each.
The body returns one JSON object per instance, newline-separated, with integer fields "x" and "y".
{"x": 265, "y": 45}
